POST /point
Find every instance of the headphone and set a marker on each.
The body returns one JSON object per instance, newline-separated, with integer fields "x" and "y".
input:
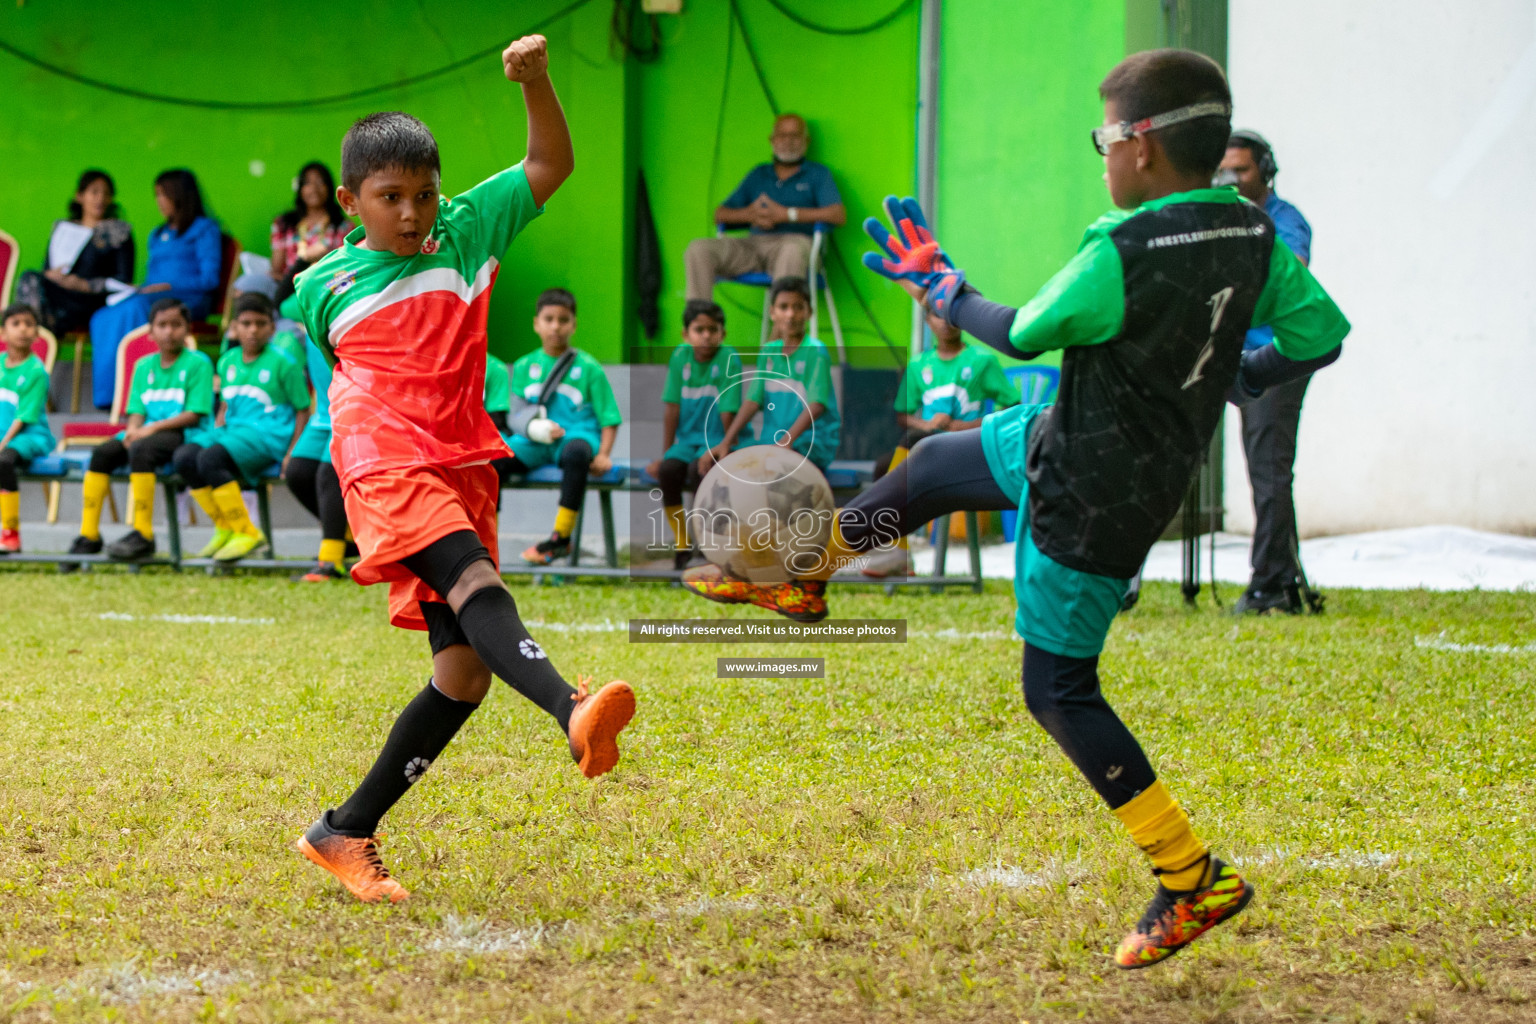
{"x": 1259, "y": 146}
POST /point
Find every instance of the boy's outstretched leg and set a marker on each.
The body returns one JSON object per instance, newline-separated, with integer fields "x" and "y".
{"x": 1195, "y": 890}
{"x": 459, "y": 567}
{"x": 944, "y": 473}
{"x": 342, "y": 840}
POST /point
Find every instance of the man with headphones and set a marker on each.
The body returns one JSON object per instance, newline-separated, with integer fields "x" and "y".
{"x": 1270, "y": 422}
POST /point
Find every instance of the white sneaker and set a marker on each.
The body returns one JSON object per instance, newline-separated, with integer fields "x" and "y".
{"x": 894, "y": 561}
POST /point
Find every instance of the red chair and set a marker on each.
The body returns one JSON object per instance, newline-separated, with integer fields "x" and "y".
{"x": 46, "y": 348}
{"x": 10, "y": 259}
{"x": 229, "y": 269}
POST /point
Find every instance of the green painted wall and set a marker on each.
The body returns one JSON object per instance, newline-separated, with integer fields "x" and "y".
{"x": 1018, "y": 177}
{"x": 284, "y": 49}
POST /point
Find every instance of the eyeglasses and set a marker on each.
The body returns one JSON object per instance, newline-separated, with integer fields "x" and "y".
{"x": 1109, "y": 134}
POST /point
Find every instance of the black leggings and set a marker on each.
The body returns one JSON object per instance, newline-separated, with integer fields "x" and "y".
{"x": 945, "y": 473}
{"x": 144, "y": 456}
{"x": 205, "y": 467}
{"x": 318, "y": 488}
{"x": 676, "y": 476}
{"x": 1063, "y": 694}
{"x": 9, "y": 460}
{"x": 575, "y": 460}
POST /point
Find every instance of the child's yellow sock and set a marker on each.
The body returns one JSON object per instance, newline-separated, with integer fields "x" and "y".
{"x": 92, "y": 493}
{"x": 141, "y": 489}
{"x": 565, "y": 521}
{"x": 837, "y": 555}
{"x": 204, "y": 498}
{"x": 897, "y": 458}
{"x": 333, "y": 551}
{"x": 679, "y": 524}
{"x": 1161, "y": 829}
{"x": 231, "y": 505}
{"x": 10, "y": 510}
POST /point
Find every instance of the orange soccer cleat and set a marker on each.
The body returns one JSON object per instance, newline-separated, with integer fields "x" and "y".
{"x": 596, "y": 723}
{"x": 352, "y": 859}
{"x": 801, "y": 600}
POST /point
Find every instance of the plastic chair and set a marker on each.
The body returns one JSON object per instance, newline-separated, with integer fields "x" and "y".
{"x": 818, "y": 279}
{"x": 1037, "y": 386}
{"x": 10, "y": 260}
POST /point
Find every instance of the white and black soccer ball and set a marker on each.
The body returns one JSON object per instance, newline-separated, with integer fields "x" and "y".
{"x": 764, "y": 514}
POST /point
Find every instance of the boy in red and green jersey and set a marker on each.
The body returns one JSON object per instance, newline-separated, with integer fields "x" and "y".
{"x": 400, "y": 310}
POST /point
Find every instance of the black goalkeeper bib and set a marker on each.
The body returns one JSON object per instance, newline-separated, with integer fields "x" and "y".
{"x": 1110, "y": 463}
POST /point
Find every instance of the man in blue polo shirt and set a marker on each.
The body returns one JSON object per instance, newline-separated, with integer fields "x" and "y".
{"x": 1270, "y": 423}
{"x": 779, "y": 202}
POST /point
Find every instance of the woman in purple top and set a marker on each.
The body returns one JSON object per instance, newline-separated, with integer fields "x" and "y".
{"x": 184, "y": 261}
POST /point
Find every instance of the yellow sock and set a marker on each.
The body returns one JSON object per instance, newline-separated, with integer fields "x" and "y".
{"x": 204, "y": 498}
{"x": 333, "y": 551}
{"x": 10, "y": 510}
{"x": 141, "y": 488}
{"x": 897, "y": 458}
{"x": 92, "y": 493}
{"x": 565, "y": 521}
{"x": 232, "y": 506}
{"x": 1161, "y": 829}
{"x": 837, "y": 555}
{"x": 679, "y": 523}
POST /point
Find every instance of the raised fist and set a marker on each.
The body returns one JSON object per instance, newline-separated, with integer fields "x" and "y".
{"x": 527, "y": 59}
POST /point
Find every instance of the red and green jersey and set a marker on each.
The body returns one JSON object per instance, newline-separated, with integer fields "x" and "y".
{"x": 406, "y": 335}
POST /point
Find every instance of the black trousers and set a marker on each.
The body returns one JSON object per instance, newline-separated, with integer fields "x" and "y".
{"x": 144, "y": 456}
{"x": 1270, "y": 425}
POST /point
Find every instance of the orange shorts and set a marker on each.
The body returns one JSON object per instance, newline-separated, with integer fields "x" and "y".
{"x": 395, "y": 513}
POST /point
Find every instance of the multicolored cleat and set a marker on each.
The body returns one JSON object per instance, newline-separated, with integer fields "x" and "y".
{"x": 801, "y": 600}
{"x": 1175, "y": 919}
{"x": 354, "y": 860}
{"x": 323, "y": 572}
{"x": 546, "y": 551}
{"x": 596, "y": 723}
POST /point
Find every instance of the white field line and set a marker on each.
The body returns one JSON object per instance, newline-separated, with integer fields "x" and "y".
{"x": 186, "y": 620}
{"x": 1328, "y": 862}
{"x": 609, "y": 626}
{"x": 128, "y": 983}
{"x": 474, "y": 935}
{"x": 1438, "y": 642}
{"x": 1008, "y": 876}
{"x": 709, "y": 904}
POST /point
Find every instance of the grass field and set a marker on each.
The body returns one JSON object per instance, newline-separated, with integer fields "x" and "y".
{"x": 896, "y": 842}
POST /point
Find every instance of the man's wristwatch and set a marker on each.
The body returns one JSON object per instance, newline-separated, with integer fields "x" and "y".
{"x": 794, "y": 214}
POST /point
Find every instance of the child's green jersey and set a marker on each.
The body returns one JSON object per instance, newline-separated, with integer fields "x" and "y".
{"x": 958, "y": 386}
{"x": 160, "y": 392}
{"x": 24, "y": 397}
{"x": 786, "y": 386}
{"x": 263, "y": 394}
{"x": 498, "y": 385}
{"x": 583, "y": 403}
{"x": 702, "y": 392}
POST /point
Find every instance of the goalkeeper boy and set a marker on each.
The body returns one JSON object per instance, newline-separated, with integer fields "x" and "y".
{"x": 400, "y": 311}
{"x": 1150, "y": 315}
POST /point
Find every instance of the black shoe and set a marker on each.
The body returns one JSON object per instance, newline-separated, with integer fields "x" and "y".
{"x": 1261, "y": 602}
{"x": 131, "y": 547}
{"x": 83, "y": 545}
{"x": 547, "y": 550}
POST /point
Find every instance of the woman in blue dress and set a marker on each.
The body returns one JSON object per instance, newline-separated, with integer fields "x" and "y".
{"x": 184, "y": 262}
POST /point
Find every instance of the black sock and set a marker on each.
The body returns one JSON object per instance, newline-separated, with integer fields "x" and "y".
{"x": 491, "y": 624}
{"x": 420, "y": 733}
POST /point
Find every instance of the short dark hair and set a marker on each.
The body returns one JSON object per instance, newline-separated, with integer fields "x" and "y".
{"x": 87, "y": 179}
{"x": 180, "y": 186}
{"x": 17, "y": 309}
{"x": 1158, "y": 81}
{"x": 381, "y": 141}
{"x": 555, "y": 297}
{"x": 253, "y": 302}
{"x": 161, "y": 305}
{"x": 799, "y": 285}
{"x": 702, "y": 307}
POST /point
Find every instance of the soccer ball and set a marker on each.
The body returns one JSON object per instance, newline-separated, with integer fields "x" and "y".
{"x": 764, "y": 514}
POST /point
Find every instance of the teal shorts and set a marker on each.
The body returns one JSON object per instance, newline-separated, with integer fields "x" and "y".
{"x": 29, "y": 445}
{"x": 253, "y": 450}
{"x": 1061, "y": 610}
{"x": 533, "y": 455}
{"x": 314, "y": 443}
{"x": 685, "y": 451}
